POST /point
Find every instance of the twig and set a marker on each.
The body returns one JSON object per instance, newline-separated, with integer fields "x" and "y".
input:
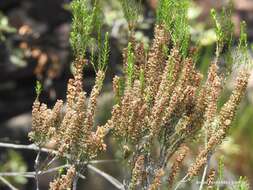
{"x": 81, "y": 176}
{"x": 32, "y": 174}
{"x": 75, "y": 182}
{"x": 204, "y": 173}
{"x": 27, "y": 147}
{"x": 76, "y": 177}
{"x": 181, "y": 181}
{"x": 53, "y": 169}
{"x": 109, "y": 178}
{"x": 203, "y": 177}
{"x": 207, "y": 164}
{"x": 36, "y": 167}
{"x": 51, "y": 161}
{"x": 14, "y": 174}
{"x": 7, "y": 183}
{"x": 98, "y": 161}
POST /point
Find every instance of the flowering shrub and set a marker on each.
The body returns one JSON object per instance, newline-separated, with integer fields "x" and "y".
{"x": 162, "y": 102}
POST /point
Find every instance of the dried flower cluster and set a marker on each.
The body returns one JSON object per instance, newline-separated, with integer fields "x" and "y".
{"x": 226, "y": 116}
{"x": 73, "y": 131}
{"x": 210, "y": 179}
{"x": 45, "y": 121}
{"x": 137, "y": 173}
{"x": 168, "y": 102}
{"x": 175, "y": 168}
{"x": 65, "y": 181}
{"x": 157, "y": 180}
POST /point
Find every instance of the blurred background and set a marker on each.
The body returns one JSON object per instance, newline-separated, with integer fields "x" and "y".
{"x": 34, "y": 45}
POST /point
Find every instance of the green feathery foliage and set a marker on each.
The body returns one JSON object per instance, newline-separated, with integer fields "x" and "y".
{"x": 86, "y": 19}
{"x": 242, "y": 184}
{"x": 243, "y": 44}
{"x": 131, "y": 9}
{"x": 242, "y": 56}
{"x": 120, "y": 92}
{"x": 104, "y": 54}
{"x": 142, "y": 79}
{"x": 130, "y": 65}
{"x": 224, "y": 29}
{"x": 229, "y": 28}
{"x": 38, "y": 88}
{"x": 173, "y": 14}
{"x": 5, "y": 27}
{"x": 220, "y": 170}
{"x": 162, "y": 15}
{"x": 171, "y": 65}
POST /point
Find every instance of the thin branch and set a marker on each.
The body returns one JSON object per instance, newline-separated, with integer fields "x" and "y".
{"x": 51, "y": 161}
{"x": 208, "y": 161}
{"x": 32, "y": 174}
{"x": 181, "y": 182}
{"x": 99, "y": 161}
{"x": 54, "y": 169}
{"x": 36, "y": 167}
{"x": 75, "y": 182}
{"x": 203, "y": 177}
{"x": 205, "y": 172}
{"x": 27, "y": 147}
{"x": 81, "y": 176}
{"x": 14, "y": 174}
{"x": 7, "y": 183}
{"x": 108, "y": 177}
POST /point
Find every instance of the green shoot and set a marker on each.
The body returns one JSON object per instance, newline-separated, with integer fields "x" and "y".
{"x": 120, "y": 92}
{"x": 171, "y": 66}
{"x": 220, "y": 170}
{"x": 242, "y": 55}
{"x": 242, "y": 184}
{"x": 5, "y": 27}
{"x": 131, "y": 10}
{"x": 104, "y": 54}
{"x": 38, "y": 88}
{"x": 218, "y": 30}
{"x": 173, "y": 14}
{"x": 163, "y": 15}
{"x": 130, "y": 64}
{"x": 92, "y": 59}
{"x": 243, "y": 42}
{"x": 224, "y": 29}
{"x": 86, "y": 19}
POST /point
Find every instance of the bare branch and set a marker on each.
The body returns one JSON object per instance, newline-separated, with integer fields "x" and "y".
{"x": 184, "y": 180}
{"x": 36, "y": 167}
{"x": 32, "y": 174}
{"x": 27, "y": 147}
{"x": 7, "y": 183}
{"x": 108, "y": 177}
{"x": 14, "y": 174}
